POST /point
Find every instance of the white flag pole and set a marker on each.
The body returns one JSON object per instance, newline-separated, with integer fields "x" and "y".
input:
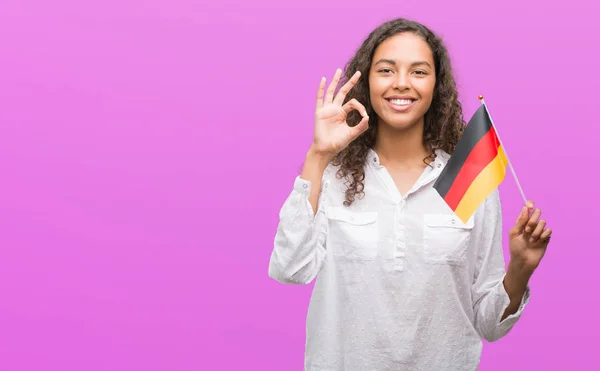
{"x": 504, "y": 148}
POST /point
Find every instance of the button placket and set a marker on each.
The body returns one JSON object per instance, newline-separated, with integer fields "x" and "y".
{"x": 399, "y": 265}
{"x": 400, "y": 242}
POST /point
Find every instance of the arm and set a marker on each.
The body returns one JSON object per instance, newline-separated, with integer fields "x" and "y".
{"x": 299, "y": 248}
{"x": 498, "y": 299}
{"x": 516, "y": 283}
{"x": 314, "y": 167}
{"x": 300, "y": 240}
{"x": 529, "y": 239}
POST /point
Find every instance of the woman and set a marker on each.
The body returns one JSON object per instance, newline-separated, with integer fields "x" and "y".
{"x": 402, "y": 283}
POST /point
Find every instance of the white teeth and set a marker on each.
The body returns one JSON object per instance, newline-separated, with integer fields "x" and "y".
{"x": 401, "y": 102}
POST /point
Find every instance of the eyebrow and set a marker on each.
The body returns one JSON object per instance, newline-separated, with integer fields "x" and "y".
{"x": 393, "y": 62}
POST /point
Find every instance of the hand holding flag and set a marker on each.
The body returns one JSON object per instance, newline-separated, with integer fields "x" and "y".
{"x": 529, "y": 239}
{"x": 477, "y": 167}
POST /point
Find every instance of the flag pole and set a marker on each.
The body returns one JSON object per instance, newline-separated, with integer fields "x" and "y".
{"x": 504, "y": 148}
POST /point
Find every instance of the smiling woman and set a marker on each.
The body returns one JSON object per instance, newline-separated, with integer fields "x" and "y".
{"x": 404, "y": 60}
{"x": 389, "y": 76}
{"x": 402, "y": 283}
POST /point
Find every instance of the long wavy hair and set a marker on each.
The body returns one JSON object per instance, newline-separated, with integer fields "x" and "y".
{"x": 444, "y": 121}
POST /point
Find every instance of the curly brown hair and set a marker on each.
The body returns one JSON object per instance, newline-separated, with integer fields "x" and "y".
{"x": 444, "y": 121}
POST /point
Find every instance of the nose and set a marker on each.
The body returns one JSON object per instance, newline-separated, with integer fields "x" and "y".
{"x": 401, "y": 83}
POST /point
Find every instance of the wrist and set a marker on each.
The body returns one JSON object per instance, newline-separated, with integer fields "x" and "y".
{"x": 319, "y": 157}
{"x": 315, "y": 164}
{"x": 517, "y": 277}
{"x": 520, "y": 268}
{"x": 515, "y": 283}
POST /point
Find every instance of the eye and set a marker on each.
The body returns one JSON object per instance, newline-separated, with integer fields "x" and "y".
{"x": 419, "y": 72}
{"x": 385, "y": 70}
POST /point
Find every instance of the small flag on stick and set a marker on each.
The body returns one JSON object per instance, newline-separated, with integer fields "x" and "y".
{"x": 476, "y": 167}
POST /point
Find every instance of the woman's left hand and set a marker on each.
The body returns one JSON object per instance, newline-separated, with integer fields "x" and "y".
{"x": 529, "y": 238}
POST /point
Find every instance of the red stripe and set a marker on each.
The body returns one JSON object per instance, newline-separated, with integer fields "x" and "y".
{"x": 482, "y": 154}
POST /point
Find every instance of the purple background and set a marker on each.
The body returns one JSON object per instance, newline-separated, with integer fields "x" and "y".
{"x": 146, "y": 148}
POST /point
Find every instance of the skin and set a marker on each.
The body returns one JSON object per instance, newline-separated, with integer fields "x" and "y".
{"x": 403, "y": 65}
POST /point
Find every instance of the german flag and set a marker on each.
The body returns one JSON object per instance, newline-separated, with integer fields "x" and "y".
{"x": 476, "y": 167}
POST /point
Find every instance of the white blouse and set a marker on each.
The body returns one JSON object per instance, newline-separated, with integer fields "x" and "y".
{"x": 401, "y": 282}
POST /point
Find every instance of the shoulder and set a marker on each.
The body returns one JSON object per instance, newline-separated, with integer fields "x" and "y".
{"x": 490, "y": 211}
{"x": 491, "y": 204}
{"x": 330, "y": 174}
{"x": 442, "y": 155}
{"x": 492, "y": 201}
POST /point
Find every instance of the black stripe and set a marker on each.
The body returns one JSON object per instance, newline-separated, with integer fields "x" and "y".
{"x": 477, "y": 128}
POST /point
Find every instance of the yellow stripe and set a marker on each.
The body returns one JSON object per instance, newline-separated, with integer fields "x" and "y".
{"x": 487, "y": 180}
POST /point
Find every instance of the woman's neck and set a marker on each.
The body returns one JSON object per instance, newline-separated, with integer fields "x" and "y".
{"x": 401, "y": 147}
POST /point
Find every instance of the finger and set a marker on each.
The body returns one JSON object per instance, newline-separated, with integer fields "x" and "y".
{"x": 345, "y": 89}
{"x": 353, "y": 104}
{"x": 545, "y": 237}
{"x": 362, "y": 126}
{"x": 321, "y": 93}
{"x": 333, "y": 86}
{"x": 533, "y": 221}
{"x": 530, "y": 205}
{"x": 522, "y": 220}
{"x": 539, "y": 229}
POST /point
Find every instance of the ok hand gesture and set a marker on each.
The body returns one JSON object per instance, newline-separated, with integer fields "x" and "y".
{"x": 332, "y": 132}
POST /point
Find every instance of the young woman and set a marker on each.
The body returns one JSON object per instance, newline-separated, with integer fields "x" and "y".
{"x": 402, "y": 283}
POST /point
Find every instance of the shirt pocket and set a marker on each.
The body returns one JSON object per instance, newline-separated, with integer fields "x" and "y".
{"x": 446, "y": 239}
{"x": 352, "y": 235}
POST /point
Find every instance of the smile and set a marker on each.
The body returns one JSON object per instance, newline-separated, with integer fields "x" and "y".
{"x": 401, "y": 105}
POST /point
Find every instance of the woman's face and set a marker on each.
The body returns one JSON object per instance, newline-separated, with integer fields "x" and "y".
{"x": 402, "y": 81}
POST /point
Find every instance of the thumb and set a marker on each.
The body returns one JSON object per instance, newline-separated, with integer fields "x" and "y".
{"x": 360, "y": 128}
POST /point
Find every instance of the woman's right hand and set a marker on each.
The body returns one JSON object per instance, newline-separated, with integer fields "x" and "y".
{"x": 332, "y": 132}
